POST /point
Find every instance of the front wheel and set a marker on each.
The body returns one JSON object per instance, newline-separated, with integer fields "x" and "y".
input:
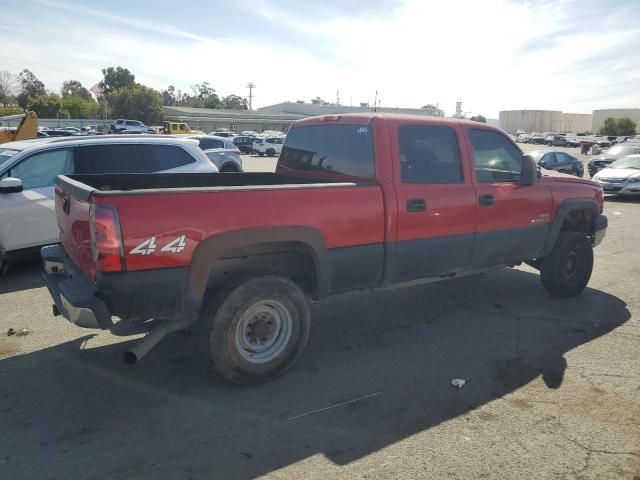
{"x": 271, "y": 152}
{"x": 257, "y": 330}
{"x": 566, "y": 271}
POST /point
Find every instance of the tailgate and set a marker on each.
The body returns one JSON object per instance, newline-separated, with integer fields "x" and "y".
{"x": 72, "y": 211}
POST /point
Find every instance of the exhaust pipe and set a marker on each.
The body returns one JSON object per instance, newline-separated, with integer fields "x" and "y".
{"x": 140, "y": 349}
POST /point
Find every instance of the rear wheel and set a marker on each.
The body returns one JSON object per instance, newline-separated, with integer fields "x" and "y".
{"x": 229, "y": 169}
{"x": 257, "y": 329}
{"x": 566, "y": 271}
{"x": 260, "y": 154}
{"x": 271, "y": 152}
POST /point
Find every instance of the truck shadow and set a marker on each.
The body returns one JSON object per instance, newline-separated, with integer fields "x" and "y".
{"x": 71, "y": 410}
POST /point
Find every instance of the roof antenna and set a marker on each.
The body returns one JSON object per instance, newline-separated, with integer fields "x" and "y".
{"x": 375, "y": 102}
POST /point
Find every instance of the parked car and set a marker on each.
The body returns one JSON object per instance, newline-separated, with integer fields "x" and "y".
{"x": 622, "y": 177}
{"x": 563, "y": 141}
{"x": 244, "y": 143}
{"x": 224, "y": 154}
{"x": 222, "y": 133}
{"x": 548, "y": 139}
{"x": 28, "y": 170}
{"x": 130, "y": 126}
{"x": 58, "y": 133}
{"x": 602, "y": 142}
{"x": 268, "y": 146}
{"x": 537, "y": 139}
{"x": 559, "y": 161}
{"x": 616, "y": 152}
{"x": 241, "y": 254}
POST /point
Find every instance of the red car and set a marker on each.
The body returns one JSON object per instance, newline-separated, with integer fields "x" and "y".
{"x": 356, "y": 201}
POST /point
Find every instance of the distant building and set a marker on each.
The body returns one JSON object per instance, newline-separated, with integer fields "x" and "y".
{"x": 599, "y": 116}
{"x": 310, "y": 109}
{"x": 210, "y": 119}
{"x": 545, "y": 121}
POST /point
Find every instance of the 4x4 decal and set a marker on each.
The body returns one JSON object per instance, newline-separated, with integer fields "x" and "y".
{"x": 149, "y": 246}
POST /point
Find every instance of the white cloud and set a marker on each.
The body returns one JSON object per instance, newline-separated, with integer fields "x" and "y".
{"x": 493, "y": 54}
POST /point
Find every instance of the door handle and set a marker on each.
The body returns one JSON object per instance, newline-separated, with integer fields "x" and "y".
{"x": 416, "y": 205}
{"x": 486, "y": 200}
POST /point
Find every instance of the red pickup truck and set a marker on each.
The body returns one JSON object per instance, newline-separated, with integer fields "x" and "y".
{"x": 357, "y": 201}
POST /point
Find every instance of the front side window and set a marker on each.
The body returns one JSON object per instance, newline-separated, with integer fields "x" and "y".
{"x": 549, "y": 159}
{"x": 40, "y": 170}
{"x": 429, "y": 154}
{"x": 345, "y": 150}
{"x": 496, "y": 158}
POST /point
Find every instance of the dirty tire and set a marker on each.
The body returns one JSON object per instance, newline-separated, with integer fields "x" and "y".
{"x": 565, "y": 272}
{"x": 252, "y": 304}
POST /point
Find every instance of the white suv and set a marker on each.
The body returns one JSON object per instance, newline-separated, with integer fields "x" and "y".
{"x": 130, "y": 126}
{"x": 28, "y": 170}
{"x": 269, "y": 146}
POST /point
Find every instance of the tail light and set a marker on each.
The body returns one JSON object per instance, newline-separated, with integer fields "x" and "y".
{"x": 107, "y": 251}
{"x": 237, "y": 150}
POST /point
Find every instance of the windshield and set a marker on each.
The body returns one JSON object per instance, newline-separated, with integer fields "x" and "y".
{"x": 627, "y": 162}
{"x": 6, "y": 154}
{"x": 622, "y": 150}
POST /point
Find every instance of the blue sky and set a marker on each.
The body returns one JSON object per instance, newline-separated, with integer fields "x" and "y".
{"x": 570, "y": 55}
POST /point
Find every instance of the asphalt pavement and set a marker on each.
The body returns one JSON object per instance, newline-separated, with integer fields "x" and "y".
{"x": 552, "y": 385}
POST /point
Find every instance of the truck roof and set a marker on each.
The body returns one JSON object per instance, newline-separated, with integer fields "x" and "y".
{"x": 364, "y": 118}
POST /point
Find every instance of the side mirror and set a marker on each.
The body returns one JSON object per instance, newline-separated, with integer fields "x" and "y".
{"x": 10, "y": 185}
{"x": 529, "y": 173}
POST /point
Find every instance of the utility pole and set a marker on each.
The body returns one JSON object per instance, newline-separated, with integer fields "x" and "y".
{"x": 251, "y": 86}
{"x": 338, "y": 97}
{"x": 375, "y": 102}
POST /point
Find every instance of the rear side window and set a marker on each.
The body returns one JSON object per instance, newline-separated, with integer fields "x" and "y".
{"x": 208, "y": 143}
{"x": 132, "y": 123}
{"x": 154, "y": 158}
{"x": 114, "y": 158}
{"x": 496, "y": 158}
{"x": 333, "y": 149}
{"x": 429, "y": 154}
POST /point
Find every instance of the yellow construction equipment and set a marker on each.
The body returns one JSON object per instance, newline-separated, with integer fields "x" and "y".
{"x": 28, "y": 128}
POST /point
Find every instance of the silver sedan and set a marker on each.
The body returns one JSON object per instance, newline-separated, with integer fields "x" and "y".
{"x": 622, "y": 177}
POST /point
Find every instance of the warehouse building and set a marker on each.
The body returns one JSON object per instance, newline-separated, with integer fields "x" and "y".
{"x": 545, "y": 121}
{"x": 311, "y": 109}
{"x": 209, "y": 119}
{"x": 599, "y": 116}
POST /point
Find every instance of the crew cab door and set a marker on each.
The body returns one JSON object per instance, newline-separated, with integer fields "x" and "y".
{"x": 27, "y": 218}
{"x": 513, "y": 220}
{"x": 436, "y": 201}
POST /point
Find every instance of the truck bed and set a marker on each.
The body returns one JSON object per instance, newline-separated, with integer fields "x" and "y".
{"x": 157, "y": 181}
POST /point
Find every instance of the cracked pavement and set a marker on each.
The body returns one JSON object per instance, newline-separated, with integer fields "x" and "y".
{"x": 552, "y": 386}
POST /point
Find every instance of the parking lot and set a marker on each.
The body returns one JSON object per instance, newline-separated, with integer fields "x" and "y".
{"x": 552, "y": 385}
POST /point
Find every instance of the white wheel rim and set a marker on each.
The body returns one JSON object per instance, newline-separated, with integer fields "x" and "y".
{"x": 263, "y": 332}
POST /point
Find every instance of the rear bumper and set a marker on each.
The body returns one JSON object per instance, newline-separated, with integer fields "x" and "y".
{"x": 600, "y": 225}
{"x": 73, "y": 294}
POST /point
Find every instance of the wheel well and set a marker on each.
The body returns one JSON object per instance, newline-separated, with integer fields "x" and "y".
{"x": 292, "y": 260}
{"x": 229, "y": 166}
{"x": 580, "y": 220}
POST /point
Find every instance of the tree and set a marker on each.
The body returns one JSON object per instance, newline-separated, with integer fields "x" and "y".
{"x": 319, "y": 101}
{"x": 433, "y": 110}
{"x": 618, "y": 127}
{"x": 79, "y": 107}
{"x": 626, "y": 126}
{"x": 137, "y": 102}
{"x": 169, "y": 96}
{"x": 73, "y": 88}
{"x": 47, "y": 106}
{"x": 116, "y": 78}
{"x": 7, "y": 88}
{"x": 30, "y": 87}
{"x": 234, "y": 102}
{"x": 479, "y": 118}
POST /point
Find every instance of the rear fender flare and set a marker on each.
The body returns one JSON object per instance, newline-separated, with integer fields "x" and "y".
{"x": 214, "y": 248}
